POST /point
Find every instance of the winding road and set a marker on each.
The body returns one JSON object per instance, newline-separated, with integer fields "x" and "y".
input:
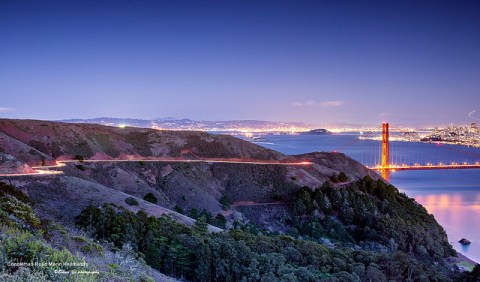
{"x": 50, "y": 169}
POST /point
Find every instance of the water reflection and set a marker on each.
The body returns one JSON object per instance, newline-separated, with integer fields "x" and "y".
{"x": 454, "y": 205}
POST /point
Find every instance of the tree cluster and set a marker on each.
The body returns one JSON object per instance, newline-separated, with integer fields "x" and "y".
{"x": 371, "y": 213}
{"x": 194, "y": 254}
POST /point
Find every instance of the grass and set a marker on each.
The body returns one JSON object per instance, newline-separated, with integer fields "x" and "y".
{"x": 466, "y": 265}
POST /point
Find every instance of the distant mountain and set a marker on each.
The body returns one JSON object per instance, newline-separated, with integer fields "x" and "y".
{"x": 113, "y": 121}
{"x": 346, "y": 125}
{"x": 206, "y": 125}
{"x": 167, "y": 118}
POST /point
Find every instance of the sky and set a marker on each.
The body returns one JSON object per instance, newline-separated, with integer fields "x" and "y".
{"x": 320, "y": 62}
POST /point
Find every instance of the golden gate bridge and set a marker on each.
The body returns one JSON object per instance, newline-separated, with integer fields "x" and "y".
{"x": 388, "y": 164}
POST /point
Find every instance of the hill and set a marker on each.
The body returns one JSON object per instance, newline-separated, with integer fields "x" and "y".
{"x": 173, "y": 184}
{"x": 346, "y": 211}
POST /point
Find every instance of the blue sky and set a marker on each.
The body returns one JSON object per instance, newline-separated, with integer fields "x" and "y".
{"x": 406, "y": 62}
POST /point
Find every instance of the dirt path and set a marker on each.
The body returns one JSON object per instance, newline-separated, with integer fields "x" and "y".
{"x": 249, "y": 203}
{"x": 252, "y": 203}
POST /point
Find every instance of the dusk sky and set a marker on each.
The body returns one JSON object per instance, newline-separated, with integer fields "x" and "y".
{"x": 406, "y": 62}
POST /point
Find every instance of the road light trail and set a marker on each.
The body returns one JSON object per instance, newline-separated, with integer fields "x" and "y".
{"x": 38, "y": 172}
{"x": 251, "y": 162}
{"x": 45, "y": 170}
{"x": 58, "y": 165}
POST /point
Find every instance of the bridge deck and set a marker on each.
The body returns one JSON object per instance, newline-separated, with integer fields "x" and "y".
{"x": 427, "y": 167}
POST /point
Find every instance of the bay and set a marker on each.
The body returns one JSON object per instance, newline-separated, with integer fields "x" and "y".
{"x": 452, "y": 196}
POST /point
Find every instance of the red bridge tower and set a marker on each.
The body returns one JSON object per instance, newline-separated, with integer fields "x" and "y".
{"x": 385, "y": 152}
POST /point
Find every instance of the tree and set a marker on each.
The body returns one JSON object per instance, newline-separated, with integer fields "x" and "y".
{"x": 179, "y": 260}
{"x": 374, "y": 274}
{"x": 200, "y": 227}
{"x": 193, "y": 213}
{"x": 304, "y": 203}
{"x": 130, "y": 236}
{"x": 473, "y": 275}
{"x": 219, "y": 221}
{"x": 334, "y": 178}
{"x": 155, "y": 251}
{"x": 318, "y": 196}
{"x": 299, "y": 207}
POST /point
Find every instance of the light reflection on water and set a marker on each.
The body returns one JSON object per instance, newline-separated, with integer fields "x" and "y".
{"x": 452, "y": 196}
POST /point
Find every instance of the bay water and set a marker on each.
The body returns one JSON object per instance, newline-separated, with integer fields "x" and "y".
{"x": 452, "y": 196}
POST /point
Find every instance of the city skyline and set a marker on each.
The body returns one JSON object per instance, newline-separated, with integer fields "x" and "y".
{"x": 347, "y": 62}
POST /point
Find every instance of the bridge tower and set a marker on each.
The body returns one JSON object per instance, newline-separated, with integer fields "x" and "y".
{"x": 385, "y": 146}
{"x": 385, "y": 152}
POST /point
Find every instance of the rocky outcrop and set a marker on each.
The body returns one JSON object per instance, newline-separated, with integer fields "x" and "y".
{"x": 11, "y": 165}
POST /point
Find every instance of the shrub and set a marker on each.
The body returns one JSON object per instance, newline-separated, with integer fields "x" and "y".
{"x": 6, "y": 189}
{"x": 79, "y": 158}
{"x": 19, "y": 209}
{"x": 334, "y": 178}
{"x": 81, "y": 167}
{"x": 18, "y": 245}
{"x": 149, "y": 197}
{"x": 178, "y": 209}
{"x": 131, "y": 201}
{"x": 225, "y": 202}
{"x": 23, "y": 274}
{"x": 342, "y": 177}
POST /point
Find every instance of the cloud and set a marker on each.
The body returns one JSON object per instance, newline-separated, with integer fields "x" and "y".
{"x": 328, "y": 104}
{"x": 6, "y": 109}
{"x": 324, "y": 104}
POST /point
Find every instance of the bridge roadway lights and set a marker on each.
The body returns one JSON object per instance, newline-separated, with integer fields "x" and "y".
{"x": 426, "y": 167}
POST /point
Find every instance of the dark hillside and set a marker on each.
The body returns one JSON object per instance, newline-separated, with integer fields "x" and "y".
{"x": 66, "y": 140}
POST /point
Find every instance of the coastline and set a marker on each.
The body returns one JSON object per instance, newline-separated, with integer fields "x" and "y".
{"x": 464, "y": 263}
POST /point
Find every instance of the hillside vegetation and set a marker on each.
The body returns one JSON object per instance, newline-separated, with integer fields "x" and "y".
{"x": 35, "y": 249}
{"x": 380, "y": 235}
